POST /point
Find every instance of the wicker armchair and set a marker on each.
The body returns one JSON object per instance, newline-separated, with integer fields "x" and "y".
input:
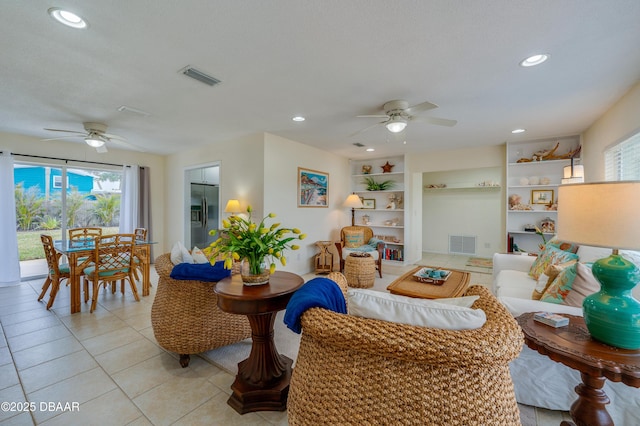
{"x": 356, "y": 371}
{"x": 185, "y": 316}
{"x": 343, "y": 252}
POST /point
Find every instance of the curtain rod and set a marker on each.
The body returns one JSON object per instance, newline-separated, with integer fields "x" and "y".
{"x": 66, "y": 160}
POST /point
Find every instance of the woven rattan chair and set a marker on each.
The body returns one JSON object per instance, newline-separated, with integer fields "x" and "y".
{"x": 185, "y": 316}
{"x": 368, "y": 234}
{"x": 356, "y": 371}
{"x": 57, "y": 271}
{"x": 112, "y": 262}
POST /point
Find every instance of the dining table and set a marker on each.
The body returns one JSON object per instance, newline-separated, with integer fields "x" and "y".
{"x": 80, "y": 255}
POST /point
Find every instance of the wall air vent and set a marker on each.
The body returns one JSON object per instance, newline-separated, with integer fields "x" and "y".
{"x": 189, "y": 71}
{"x": 460, "y": 244}
{"x": 358, "y": 144}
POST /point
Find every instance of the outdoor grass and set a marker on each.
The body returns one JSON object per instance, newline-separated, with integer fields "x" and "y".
{"x": 30, "y": 246}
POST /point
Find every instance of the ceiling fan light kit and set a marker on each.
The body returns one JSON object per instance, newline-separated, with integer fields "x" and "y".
{"x": 94, "y": 141}
{"x": 397, "y": 124}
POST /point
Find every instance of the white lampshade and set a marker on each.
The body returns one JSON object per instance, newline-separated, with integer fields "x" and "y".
{"x": 233, "y": 206}
{"x": 353, "y": 201}
{"x": 396, "y": 125}
{"x": 94, "y": 141}
{"x": 603, "y": 214}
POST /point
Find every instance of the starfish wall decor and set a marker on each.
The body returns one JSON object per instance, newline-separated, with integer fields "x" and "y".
{"x": 387, "y": 167}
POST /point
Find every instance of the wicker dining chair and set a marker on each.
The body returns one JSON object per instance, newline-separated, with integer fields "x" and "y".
{"x": 57, "y": 271}
{"x": 112, "y": 262}
{"x": 82, "y": 234}
{"x": 354, "y": 371}
{"x": 141, "y": 235}
{"x": 185, "y": 316}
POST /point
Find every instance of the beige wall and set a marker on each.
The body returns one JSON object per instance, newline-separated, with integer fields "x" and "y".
{"x": 241, "y": 174}
{"x": 620, "y": 121}
{"x": 282, "y": 159}
{"x": 19, "y": 144}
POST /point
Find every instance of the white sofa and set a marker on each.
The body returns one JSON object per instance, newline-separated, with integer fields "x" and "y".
{"x": 538, "y": 380}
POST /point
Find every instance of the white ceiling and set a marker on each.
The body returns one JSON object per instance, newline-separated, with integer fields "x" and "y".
{"x": 327, "y": 60}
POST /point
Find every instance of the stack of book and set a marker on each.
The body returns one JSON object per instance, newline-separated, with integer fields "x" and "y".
{"x": 554, "y": 320}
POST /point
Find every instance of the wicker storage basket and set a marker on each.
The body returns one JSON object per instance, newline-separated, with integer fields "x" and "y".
{"x": 185, "y": 316}
{"x": 360, "y": 271}
{"x": 358, "y": 371}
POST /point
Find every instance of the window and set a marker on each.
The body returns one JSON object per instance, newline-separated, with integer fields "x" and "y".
{"x": 622, "y": 161}
{"x": 57, "y": 181}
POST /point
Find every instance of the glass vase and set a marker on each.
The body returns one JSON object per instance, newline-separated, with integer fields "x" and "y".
{"x": 256, "y": 275}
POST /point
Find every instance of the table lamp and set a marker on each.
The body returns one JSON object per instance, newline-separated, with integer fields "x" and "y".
{"x": 354, "y": 202}
{"x": 233, "y": 206}
{"x": 606, "y": 214}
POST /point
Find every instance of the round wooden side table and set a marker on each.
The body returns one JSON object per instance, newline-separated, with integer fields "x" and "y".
{"x": 262, "y": 382}
{"x": 574, "y": 347}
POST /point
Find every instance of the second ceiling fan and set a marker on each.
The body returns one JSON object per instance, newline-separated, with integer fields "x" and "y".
{"x": 398, "y": 113}
{"x": 95, "y": 136}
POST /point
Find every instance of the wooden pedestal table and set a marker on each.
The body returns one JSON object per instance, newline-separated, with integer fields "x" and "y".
{"x": 262, "y": 382}
{"x": 574, "y": 347}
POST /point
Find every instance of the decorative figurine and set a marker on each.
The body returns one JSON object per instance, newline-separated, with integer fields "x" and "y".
{"x": 392, "y": 202}
{"x": 366, "y": 169}
{"x": 386, "y": 168}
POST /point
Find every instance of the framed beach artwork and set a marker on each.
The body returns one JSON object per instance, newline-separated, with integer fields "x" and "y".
{"x": 313, "y": 188}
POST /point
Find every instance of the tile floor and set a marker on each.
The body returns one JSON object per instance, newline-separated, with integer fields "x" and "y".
{"x": 109, "y": 369}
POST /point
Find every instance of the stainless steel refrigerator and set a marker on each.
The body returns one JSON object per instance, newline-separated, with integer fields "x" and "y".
{"x": 204, "y": 213}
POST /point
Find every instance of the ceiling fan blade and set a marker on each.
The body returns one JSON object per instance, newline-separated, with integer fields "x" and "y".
{"x": 425, "y": 106}
{"x": 102, "y": 149}
{"x": 61, "y": 138}
{"x": 366, "y": 128}
{"x": 373, "y": 116}
{"x": 111, "y": 136}
{"x": 122, "y": 142}
{"x": 438, "y": 121}
{"x": 66, "y": 131}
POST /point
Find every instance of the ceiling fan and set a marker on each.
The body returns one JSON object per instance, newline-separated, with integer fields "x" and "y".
{"x": 95, "y": 136}
{"x": 398, "y": 113}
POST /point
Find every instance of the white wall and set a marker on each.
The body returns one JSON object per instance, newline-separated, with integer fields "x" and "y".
{"x": 465, "y": 212}
{"x": 241, "y": 175}
{"x": 282, "y": 157}
{"x": 20, "y": 144}
{"x": 620, "y": 121}
{"x": 462, "y": 159}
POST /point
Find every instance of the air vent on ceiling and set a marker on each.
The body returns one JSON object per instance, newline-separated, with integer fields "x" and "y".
{"x": 189, "y": 71}
{"x": 358, "y": 144}
{"x": 124, "y": 108}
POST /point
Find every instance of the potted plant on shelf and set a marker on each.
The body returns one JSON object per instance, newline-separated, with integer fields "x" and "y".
{"x": 254, "y": 245}
{"x": 372, "y": 185}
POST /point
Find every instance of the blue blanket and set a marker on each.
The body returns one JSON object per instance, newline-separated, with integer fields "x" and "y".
{"x": 200, "y": 271}
{"x": 315, "y": 293}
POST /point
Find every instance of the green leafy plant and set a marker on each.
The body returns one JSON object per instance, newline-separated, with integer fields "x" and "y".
{"x": 244, "y": 239}
{"x": 29, "y": 206}
{"x": 49, "y": 223}
{"x": 372, "y": 185}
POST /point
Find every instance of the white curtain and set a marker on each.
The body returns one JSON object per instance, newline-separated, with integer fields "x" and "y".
{"x": 129, "y": 199}
{"x": 9, "y": 257}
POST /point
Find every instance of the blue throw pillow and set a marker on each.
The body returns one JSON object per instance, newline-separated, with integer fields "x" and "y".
{"x": 200, "y": 272}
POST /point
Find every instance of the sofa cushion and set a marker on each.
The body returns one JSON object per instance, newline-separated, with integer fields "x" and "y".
{"x": 561, "y": 286}
{"x": 584, "y": 284}
{"x": 353, "y": 238}
{"x": 449, "y": 314}
{"x": 512, "y": 283}
{"x": 198, "y": 255}
{"x": 551, "y": 272}
{"x": 551, "y": 255}
{"x": 180, "y": 254}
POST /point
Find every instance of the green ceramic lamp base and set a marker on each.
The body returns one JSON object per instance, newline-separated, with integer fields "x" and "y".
{"x": 612, "y": 315}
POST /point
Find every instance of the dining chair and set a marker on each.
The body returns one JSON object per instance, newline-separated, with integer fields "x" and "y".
{"x": 57, "y": 271}
{"x": 141, "y": 235}
{"x": 113, "y": 262}
{"x": 81, "y": 234}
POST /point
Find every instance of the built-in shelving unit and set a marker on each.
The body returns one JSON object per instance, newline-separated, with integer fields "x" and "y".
{"x": 386, "y": 222}
{"x": 531, "y": 180}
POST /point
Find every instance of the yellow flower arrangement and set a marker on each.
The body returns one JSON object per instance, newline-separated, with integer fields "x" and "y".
{"x": 244, "y": 239}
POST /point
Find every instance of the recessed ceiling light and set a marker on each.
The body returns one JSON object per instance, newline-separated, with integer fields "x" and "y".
{"x": 67, "y": 18}
{"x": 534, "y": 60}
{"x": 518, "y": 131}
{"x": 298, "y": 118}
{"x": 370, "y": 149}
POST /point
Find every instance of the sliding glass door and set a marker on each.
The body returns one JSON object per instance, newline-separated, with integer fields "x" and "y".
{"x": 51, "y": 199}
